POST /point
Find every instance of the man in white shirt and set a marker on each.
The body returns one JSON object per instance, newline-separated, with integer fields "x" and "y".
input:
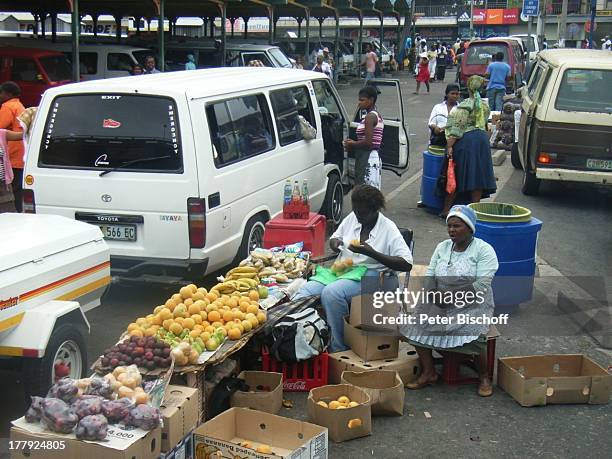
{"x": 381, "y": 247}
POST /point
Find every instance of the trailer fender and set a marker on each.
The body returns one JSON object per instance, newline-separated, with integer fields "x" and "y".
{"x": 30, "y": 337}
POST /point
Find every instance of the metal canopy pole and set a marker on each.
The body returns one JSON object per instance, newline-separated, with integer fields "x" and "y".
{"x": 270, "y": 24}
{"x": 118, "y": 28}
{"x": 337, "y": 47}
{"x": 382, "y": 35}
{"x": 223, "y": 32}
{"x": 307, "y": 48}
{"x": 160, "y": 35}
{"x": 53, "y": 27}
{"x": 360, "y": 50}
{"x": 245, "y": 19}
{"x": 76, "y": 30}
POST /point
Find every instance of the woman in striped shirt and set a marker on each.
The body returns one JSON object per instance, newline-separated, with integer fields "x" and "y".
{"x": 369, "y": 138}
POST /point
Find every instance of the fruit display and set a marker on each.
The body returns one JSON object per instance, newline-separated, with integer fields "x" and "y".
{"x": 116, "y": 410}
{"x": 87, "y": 405}
{"x": 341, "y": 403}
{"x": 92, "y": 428}
{"x": 148, "y": 353}
{"x": 126, "y": 382}
{"x": 56, "y": 415}
{"x": 341, "y": 266}
{"x": 280, "y": 266}
{"x": 144, "y": 416}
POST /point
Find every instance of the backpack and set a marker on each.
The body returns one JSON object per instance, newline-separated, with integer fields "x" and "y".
{"x": 299, "y": 336}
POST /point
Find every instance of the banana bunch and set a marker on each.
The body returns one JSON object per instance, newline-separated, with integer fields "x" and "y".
{"x": 240, "y": 285}
{"x": 244, "y": 273}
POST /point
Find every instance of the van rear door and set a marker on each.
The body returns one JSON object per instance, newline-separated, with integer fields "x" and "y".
{"x": 395, "y": 154}
{"x": 119, "y": 161}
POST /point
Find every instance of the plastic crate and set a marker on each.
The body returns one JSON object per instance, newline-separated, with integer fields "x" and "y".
{"x": 311, "y": 231}
{"x": 296, "y": 210}
{"x": 301, "y": 376}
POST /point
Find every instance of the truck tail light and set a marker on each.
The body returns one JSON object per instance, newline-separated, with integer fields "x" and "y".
{"x": 196, "y": 214}
{"x": 28, "y": 201}
{"x": 547, "y": 158}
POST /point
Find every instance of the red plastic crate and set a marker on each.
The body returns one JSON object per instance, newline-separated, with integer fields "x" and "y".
{"x": 283, "y": 231}
{"x": 301, "y": 376}
{"x": 296, "y": 210}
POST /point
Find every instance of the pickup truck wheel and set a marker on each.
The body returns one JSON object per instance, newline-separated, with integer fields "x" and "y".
{"x": 514, "y": 157}
{"x": 334, "y": 200}
{"x": 65, "y": 356}
{"x": 531, "y": 184}
{"x": 252, "y": 238}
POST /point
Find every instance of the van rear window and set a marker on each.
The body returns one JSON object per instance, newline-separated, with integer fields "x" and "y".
{"x": 483, "y": 54}
{"x": 112, "y": 131}
{"x": 583, "y": 90}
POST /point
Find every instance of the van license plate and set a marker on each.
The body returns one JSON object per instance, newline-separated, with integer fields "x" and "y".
{"x": 605, "y": 164}
{"x": 119, "y": 232}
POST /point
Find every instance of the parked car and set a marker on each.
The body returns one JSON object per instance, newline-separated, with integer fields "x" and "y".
{"x": 565, "y": 132}
{"x": 478, "y": 56}
{"x": 209, "y": 152}
{"x": 296, "y": 47}
{"x": 530, "y": 44}
{"x": 34, "y": 70}
{"x": 96, "y": 60}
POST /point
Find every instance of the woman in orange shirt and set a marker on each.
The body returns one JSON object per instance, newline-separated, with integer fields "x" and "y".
{"x": 10, "y": 110}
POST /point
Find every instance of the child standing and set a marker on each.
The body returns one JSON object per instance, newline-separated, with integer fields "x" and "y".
{"x": 423, "y": 75}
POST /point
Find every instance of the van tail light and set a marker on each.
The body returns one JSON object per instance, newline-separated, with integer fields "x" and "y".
{"x": 547, "y": 158}
{"x": 28, "y": 201}
{"x": 196, "y": 213}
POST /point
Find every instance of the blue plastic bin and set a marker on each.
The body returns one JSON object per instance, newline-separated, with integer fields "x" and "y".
{"x": 432, "y": 165}
{"x": 515, "y": 244}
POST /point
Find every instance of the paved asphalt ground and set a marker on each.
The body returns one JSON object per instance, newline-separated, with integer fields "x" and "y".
{"x": 575, "y": 241}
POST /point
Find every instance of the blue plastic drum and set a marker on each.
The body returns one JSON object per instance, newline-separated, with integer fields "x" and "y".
{"x": 515, "y": 244}
{"x": 432, "y": 165}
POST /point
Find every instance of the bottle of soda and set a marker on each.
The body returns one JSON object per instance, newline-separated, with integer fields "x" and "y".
{"x": 297, "y": 195}
{"x": 305, "y": 195}
{"x": 287, "y": 193}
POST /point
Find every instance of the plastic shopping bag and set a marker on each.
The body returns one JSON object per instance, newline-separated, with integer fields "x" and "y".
{"x": 451, "y": 181}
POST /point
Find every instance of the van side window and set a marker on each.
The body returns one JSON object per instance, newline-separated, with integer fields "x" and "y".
{"x": 240, "y": 128}
{"x": 88, "y": 63}
{"x": 534, "y": 80}
{"x": 287, "y": 105}
{"x": 325, "y": 99}
{"x": 261, "y": 57}
{"x": 24, "y": 69}
{"x": 119, "y": 61}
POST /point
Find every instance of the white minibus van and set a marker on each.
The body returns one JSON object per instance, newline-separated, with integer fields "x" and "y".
{"x": 182, "y": 170}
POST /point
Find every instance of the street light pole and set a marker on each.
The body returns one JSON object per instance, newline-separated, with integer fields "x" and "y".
{"x": 471, "y": 19}
{"x": 593, "y": 11}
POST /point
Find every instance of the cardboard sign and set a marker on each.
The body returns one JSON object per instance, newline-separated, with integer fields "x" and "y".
{"x": 265, "y": 391}
{"x": 385, "y": 388}
{"x": 538, "y": 380}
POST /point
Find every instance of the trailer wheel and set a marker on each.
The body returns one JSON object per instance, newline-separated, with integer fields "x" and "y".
{"x": 65, "y": 356}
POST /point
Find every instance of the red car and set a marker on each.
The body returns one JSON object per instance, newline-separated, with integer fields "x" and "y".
{"x": 34, "y": 70}
{"x": 479, "y": 55}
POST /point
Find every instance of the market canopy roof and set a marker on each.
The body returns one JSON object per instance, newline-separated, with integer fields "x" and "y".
{"x": 211, "y": 8}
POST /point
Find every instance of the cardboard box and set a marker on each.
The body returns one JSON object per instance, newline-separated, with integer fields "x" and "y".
{"x": 183, "y": 450}
{"x": 370, "y": 345}
{"x": 288, "y": 438}
{"x": 180, "y": 412}
{"x": 265, "y": 391}
{"x": 337, "y": 421}
{"x": 384, "y": 387}
{"x": 146, "y": 447}
{"x": 363, "y": 312}
{"x": 406, "y": 364}
{"x": 555, "y": 378}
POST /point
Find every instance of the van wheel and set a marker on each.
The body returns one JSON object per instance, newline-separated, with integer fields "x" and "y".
{"x": 531, "y": 184}
{"x": 334, "y": 200}
{"x": 252, "y": 238}
{"x": 65, "y": 356}
{"x": 514, "y": 156}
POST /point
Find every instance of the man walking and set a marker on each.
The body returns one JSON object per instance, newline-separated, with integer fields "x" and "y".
{"x": 498, "y": 72}
{"x": 371, "y": 59}
{"x": 10, "y": 110}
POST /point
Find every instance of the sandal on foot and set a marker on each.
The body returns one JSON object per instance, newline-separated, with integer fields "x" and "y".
{"x": 485, "y": 389}
{"x": 416, "y": 385}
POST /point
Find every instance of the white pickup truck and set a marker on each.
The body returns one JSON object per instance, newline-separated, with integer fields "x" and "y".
{"x": 52, "y": 270}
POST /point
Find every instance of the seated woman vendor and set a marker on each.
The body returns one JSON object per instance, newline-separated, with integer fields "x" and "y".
{"x": 458, "y": 286}
{"x": 381, "y": 246}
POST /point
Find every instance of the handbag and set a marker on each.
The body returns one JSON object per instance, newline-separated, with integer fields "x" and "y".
{"x": 437, "y": 139}
{"x": 451, "y": 181}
